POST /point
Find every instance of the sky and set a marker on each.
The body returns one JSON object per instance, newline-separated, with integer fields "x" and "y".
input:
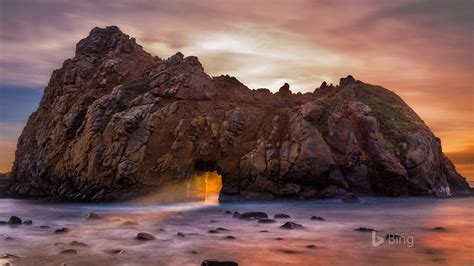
{"x": 421, "y": 49}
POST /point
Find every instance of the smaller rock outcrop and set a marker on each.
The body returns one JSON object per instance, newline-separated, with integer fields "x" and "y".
{"x": 347, "y": 81}
{"x": 284, "y": 90}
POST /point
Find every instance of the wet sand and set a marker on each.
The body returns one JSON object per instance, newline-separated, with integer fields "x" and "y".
{"x": 332, "y": 241}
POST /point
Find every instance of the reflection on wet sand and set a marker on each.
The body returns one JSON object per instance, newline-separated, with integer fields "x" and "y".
{"x": 188, "y": 233}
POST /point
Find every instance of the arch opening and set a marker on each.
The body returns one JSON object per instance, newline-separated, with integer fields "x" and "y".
{"x": 205, "y": 183}
{"x": 205, "y": 186}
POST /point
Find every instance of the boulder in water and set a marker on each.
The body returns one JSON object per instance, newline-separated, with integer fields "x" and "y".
{"x": 364, "y": 229}
{"x": 62, "y": 230}
{"x": 266, "y": 221}
{"x": 281, "y": 216}
{"x": 145, "y": 236}
{"x": 218, "y": 263}
{"x": 252, "y": 215}
{"x": 291, "y": 225}
{"x": 69, "y": 252}
{"x": 93, "y": 216}
{"x": 14, "y": 220}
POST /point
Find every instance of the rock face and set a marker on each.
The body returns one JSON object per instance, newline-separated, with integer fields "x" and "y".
{"x": 116, "y": 122}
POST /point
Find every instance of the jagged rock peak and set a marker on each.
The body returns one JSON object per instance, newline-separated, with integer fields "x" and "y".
{"x": 347, "y": 81}
{"x": 104, "y": 40}
{"x": 179, "y": 58}
{"x": 324, "y": 85}
{"x": 107, "y": 30}
{"x": 285, "y": 89}
{"x": 228, "y": 79}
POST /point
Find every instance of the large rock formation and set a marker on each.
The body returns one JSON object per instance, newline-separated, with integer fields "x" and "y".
{"x": 115, "y": 122}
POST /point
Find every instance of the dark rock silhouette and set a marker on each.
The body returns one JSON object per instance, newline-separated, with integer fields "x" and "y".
{"x": 145, "y": 236}
{"x": 291, "y": 225}
{"x": 75, "y": 243}
{"x": 364, "y": 229}
{"x": 94, "y": 216}
{"x": 15, "y": 220}
{"x": 253, "y": 215}
{"x": 62, "y": 230}
{"x": 281, "y": 216}
{"x": 69, "y": 252}
{"x": 266, "y": 221}
{"x": 116, "y": 122}
{"x": 218, "y": 263}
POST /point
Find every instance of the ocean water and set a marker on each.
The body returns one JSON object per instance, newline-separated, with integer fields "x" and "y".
{"x": 335, "y": 240}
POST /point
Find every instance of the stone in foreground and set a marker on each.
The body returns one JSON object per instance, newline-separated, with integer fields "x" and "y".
{"x": 291, "y": 225}
{"x": 364, "y": 229}
{"x": 218, "y": 263}
{"x": 14, "y": 220}
{"x": 76, "y": 243}
{"x": 266, "y": 221}
{"x": 69, "y": 252}
{"x": 145, "y": 236}
{"x": 62, "y": 230}
{"x": 253, "y": 215}
{"x": 281, "y": 216}
{"x": 94, "y": 216}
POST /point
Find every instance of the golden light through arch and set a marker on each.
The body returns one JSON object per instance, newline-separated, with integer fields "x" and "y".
{"x": 205, "y": 186}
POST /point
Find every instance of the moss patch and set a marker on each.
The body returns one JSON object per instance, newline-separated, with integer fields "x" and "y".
{"x": 333, "y": 103}
{"x": 330, "y": 105}
{"x": 396, "y": 119}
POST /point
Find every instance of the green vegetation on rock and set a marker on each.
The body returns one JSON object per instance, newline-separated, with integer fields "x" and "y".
{"x": 396, "y": 119}
{"x": 331, "y": 105}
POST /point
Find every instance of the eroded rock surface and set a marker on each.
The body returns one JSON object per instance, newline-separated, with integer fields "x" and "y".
{"x": 116, "y": 122}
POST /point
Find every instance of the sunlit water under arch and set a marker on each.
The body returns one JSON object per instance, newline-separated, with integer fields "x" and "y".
{"x": 255, "y": 244}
